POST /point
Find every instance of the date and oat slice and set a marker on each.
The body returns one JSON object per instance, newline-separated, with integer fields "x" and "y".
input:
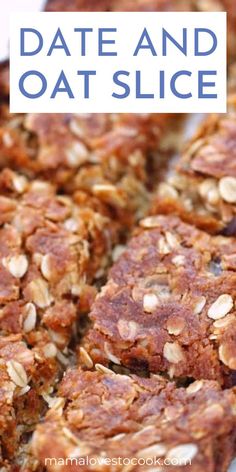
{"x": 201, "y": 188}
{"x": 105, "y": 416}
{"x": 106, "y": 157}
{"x": 114, "y": 157}
{"x": 52, "y": 250}
{"x": 168, "y": 305}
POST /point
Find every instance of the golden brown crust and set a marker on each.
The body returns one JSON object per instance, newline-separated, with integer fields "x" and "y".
{"x": 108, "y": 415}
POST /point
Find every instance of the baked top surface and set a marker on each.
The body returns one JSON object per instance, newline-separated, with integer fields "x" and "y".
{"x": 109, "y": 415}
{"x": 169, "y": 304}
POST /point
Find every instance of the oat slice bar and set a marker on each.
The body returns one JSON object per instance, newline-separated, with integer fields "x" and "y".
{"x": 104, "y": 416}
{"x": 168, "y": 305}
{"x": 201, "y": 188}
{"x": 53, "y": 251}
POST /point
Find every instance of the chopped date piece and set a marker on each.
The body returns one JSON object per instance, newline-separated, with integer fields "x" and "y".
{"x": 168, "y": 305}
{"x": 104, "y": 416}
